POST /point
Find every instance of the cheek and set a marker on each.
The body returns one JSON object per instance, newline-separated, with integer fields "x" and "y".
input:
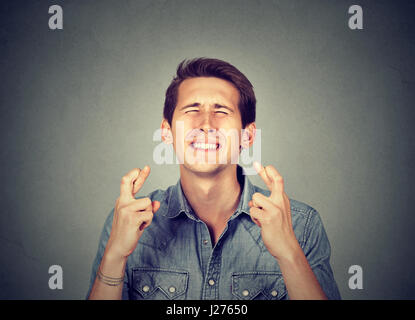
{"x": 182, "y": 135}
{"x": 233, "y": 143}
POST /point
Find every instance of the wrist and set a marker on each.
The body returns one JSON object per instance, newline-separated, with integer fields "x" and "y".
{"x": 114, "y": 253}
{"x": 113, "y": 264}
{"x": 113, "y": 257}
{"x": 291, "y": 258}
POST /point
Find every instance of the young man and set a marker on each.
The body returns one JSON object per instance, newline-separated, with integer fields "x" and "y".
{"x": 213, "y": 235}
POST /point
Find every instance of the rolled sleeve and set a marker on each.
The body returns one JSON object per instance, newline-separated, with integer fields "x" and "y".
{"x": 317, "y": 251}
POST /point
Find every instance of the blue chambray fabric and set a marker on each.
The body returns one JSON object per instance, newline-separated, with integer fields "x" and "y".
{"x": 174, "y": 258}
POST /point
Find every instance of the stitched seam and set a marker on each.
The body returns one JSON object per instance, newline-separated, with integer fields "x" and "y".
{"x": 248, "y": 229}
{"x": 181, "y": 271}
{"x": 271, "y": 273}
{"x": 176, "y": 271}
{"x": 306, "y": 227}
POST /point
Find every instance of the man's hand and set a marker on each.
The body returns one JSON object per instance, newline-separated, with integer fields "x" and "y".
{"x": 131, "y": 216}
{"x": 273, "y": 215}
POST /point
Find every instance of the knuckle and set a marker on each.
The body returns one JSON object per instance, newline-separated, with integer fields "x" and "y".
{"x": 147, "y": 201}
{"x": 143, "y": 203}
{"x": 128, "y": 177}
{"x": 150, "y": 215}
{"x": 270, "y": 169}
{"x": 254, "y": 211}
{"x": 137, "y": 173}
{"x": 138, "y": 181}
{"x": 125, "y": 180}
{"x": 146, "y": 216}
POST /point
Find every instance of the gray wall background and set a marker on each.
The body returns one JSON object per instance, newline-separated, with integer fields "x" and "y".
{"x": 79, "y": 108}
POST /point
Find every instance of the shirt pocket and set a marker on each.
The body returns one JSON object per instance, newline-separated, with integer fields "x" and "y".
{"x": 258, "y": 285}
{"x": 158, "y": 284}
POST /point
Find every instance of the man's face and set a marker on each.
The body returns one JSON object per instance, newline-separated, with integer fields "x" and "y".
{"x": 206, "y": 125}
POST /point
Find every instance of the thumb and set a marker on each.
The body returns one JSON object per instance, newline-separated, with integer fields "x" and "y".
{"x": 155, "y": 205}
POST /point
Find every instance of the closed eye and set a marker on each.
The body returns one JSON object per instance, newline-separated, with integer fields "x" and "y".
{"x": 221, "y": 112}
{"x": 192, "y": 111}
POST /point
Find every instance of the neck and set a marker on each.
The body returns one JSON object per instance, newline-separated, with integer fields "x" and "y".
{"x": 213, "y": 196}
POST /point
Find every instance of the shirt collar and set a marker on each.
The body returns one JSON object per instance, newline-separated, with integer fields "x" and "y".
{"x": 178, "y": 203}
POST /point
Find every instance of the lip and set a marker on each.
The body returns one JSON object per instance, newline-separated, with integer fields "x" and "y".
{"x": 203, "y": 146}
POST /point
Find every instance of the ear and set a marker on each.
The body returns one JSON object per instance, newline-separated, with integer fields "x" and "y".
{"x": 248, "y": 135}
{"x": 166, "y": 134}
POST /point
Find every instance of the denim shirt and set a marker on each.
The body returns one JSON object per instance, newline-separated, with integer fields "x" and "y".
{"x": 174, "y": 258}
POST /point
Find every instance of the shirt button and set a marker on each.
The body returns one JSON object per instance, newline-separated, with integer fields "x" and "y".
{"x": 211, "y": 282}
{"x": 245, "y": 293}
{"x": 146, "y": 288}
{"x": 274, "y": 293}
{"x": 205, "y": 242}
{"x": 172, "y": 289}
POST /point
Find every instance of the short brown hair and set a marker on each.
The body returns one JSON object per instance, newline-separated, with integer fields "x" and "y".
{"x": 207, "y": 67}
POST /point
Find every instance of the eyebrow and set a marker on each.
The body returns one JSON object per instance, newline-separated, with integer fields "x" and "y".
{"x": 197, "y": 104}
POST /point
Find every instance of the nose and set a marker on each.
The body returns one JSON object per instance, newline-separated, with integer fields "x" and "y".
{"x": 208, "y": 130}
{"x": 207, "y": 125}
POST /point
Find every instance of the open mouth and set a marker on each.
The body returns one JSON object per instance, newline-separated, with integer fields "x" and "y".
{"x": 205, "y": 146}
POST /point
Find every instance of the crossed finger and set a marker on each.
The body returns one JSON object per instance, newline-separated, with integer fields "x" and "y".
{"x": 132, "y": 182}
{"x": 272, "y": 179}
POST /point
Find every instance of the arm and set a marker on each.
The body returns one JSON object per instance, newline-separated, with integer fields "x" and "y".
{"x": 300, "y": 279}
{"x": 103, "y": 288}
{"x": 131, "y": 216}
{"x": 273, "y": 215}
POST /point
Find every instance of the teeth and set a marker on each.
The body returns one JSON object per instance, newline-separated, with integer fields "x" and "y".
{"x": 204, "y": 146}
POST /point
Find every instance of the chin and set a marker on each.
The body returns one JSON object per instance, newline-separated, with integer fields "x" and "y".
{"x": 205, "y": 168}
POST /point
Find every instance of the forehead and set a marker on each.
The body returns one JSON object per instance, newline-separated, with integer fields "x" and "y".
{"x": 207, "y": 90}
